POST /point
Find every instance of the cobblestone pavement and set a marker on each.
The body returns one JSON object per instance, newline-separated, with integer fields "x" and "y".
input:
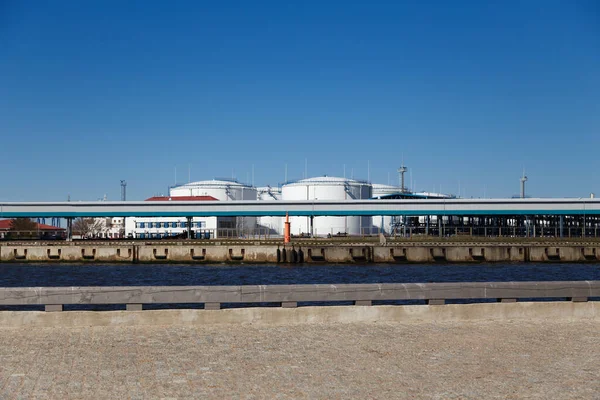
{"x": 475, "y": 360}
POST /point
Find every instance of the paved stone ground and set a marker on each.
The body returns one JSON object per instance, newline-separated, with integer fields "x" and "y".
{"x": 473, "y": 360}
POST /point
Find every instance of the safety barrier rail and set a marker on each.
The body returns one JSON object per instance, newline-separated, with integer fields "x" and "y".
{"x": 53, "y": 298}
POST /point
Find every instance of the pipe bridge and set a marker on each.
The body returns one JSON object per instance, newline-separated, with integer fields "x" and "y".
{"x": 420, "y": 207}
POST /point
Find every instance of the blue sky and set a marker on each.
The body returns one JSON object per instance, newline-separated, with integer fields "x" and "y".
{"x": 467, "y": 92}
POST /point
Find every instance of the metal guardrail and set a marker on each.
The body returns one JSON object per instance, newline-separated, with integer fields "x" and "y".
{"x": 288, "y": 295}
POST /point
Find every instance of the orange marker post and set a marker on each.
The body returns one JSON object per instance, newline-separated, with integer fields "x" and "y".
{"x": 287, "y": 229}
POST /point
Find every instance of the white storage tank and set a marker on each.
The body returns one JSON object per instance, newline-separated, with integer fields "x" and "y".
{"x": 383, "y": 223}
{"x": 222, "y": 190}
{"x": 274, "y": 225}
{"x": 328, "y": 188}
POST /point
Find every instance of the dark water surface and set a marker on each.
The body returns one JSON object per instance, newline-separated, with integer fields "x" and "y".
{"x": 15, "y": 275}
{"x": 20, "y": 275}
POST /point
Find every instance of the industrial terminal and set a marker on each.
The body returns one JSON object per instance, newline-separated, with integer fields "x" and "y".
{"x": 315, "y": 219}
{"x": 322, "y": 188}
{"x": 317, "y": 207}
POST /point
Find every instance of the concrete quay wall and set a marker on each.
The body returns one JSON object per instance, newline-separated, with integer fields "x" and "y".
{"x": 314, "y": 252}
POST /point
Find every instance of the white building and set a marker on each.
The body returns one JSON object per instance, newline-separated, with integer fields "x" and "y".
{"x": 161, "y": 227}
{"x": 99, "y": 228}
{"x": 213, "y": 227}
{"x": 115, "y": 227}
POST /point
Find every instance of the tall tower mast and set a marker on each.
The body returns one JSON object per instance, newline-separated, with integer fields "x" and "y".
{"x": 123, "y": 190}
{"x": 402, "y": 170}
{"x": 523, "y": 180}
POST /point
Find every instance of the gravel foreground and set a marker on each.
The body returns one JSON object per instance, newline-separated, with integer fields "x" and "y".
{"x": 466, "y": 360}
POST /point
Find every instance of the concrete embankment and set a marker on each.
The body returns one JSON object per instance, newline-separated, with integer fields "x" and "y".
{"x": 524, "y": 311}
{"x": 247, "y": 251}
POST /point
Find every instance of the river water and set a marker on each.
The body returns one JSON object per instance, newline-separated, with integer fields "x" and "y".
{"x": 21, "y": 275}
{"x": 12, "y": 275}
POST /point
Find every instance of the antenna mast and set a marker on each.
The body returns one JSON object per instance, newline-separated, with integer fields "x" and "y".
{"x": 123, "y": 190}
{"x": 523, "y": 180}
{"x": 402, "y": 170}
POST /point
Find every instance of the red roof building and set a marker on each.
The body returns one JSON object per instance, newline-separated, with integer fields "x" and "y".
{"x": 6, "y": 224}
{"x": 40, "y": 230}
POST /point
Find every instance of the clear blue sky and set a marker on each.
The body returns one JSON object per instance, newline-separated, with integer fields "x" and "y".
{"x": 92, "y": 92}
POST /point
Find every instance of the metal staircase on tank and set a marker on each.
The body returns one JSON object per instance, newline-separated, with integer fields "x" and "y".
{"x": 348, "y": 191}
{"x": 270, "y": 193}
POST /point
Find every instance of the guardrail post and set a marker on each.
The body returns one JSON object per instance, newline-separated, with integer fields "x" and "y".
{"x": 212, "y": 306}
{"x": 436, "y": 302}
{"x": 53, "y": 307}
{"x": 134, "y": 307}
{"x": 578, "y": 299}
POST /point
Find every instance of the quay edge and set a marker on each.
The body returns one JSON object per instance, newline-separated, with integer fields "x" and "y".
{"x": 247, "y": 251}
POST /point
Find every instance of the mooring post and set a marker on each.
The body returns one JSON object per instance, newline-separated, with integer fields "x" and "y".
{"x": 287, "y": 229}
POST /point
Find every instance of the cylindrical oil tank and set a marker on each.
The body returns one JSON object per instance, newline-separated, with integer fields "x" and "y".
{"x": 222, "y": 190}
{"x": 383, "y": 223}
{"x": 328, "y": 188}
{"x": 273, "y": 225}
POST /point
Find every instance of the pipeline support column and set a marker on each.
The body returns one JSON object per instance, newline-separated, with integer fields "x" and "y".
{"x": 69, "y": 229}
{"x": 189, "y": 227}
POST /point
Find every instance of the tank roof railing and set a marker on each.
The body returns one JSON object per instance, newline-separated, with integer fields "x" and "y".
{"x": 232, "y": 180}
{"x": 308, "y": 181}
{"x": 227, "y": 180}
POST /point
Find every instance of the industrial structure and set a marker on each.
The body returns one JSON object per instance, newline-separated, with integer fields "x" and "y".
{"x": 327, "y": 188}
{"x": 164, "y": 227}
{"x": 384, "y": 223}
{"x": 223, "y": 190}
{"x": 523, "y": 180}
{"x": 322, "y": 206}
{"x": 500, "y": 217}
{"x": 273, "y": 225}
